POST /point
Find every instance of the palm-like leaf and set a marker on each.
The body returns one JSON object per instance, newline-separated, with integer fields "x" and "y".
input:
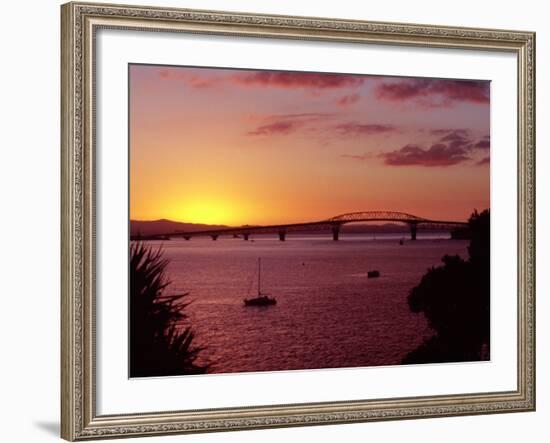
{"x": 161, "y": 340}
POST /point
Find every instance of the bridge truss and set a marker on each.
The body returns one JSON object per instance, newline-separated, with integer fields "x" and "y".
{"x": 332, "y": 225}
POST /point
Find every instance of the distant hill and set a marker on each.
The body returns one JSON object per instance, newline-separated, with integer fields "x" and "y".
{"x": 163, "y": 226}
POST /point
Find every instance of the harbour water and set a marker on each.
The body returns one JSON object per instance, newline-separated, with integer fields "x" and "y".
{"x": 329, "y": 314}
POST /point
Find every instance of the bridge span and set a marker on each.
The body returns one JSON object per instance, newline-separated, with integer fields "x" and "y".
{"x": 332, "y": 225}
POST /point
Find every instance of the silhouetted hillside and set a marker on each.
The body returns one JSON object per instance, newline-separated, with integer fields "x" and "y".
{"x": 163, "y": 226}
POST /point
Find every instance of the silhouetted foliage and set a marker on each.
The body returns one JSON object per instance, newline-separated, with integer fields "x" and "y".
{"x": 455, "y": 299}
{"x": 160, "y": 341}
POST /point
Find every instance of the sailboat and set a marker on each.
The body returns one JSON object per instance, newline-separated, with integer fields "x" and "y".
{"x": 261, "y": 299}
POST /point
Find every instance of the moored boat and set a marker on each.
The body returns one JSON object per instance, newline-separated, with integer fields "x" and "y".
{"x": 261, "y": 299}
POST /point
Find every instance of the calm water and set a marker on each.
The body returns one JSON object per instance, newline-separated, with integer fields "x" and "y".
{"x": 328, "y": 313}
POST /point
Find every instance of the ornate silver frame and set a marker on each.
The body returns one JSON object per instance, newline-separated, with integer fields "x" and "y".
{"x": 80, "y": 21}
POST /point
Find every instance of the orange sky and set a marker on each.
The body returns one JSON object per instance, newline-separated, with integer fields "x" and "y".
{"x": 237, "y": 147}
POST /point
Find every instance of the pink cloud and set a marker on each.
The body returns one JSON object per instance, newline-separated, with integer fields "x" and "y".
{"x": 453, "y": 134}
{"x": 277, "y": 79}
{"x": 438, "y": 154}
{"x": 291, "y": 80}
{"x": 189, "y": 78}
{"x": 484, "y": 161}
{"x": 450, "y": 147}
{"x": 302, "y": 115}
{"x": 484, "y": 143}
{"x": 434, "y": 92}
{"x": 283, "y": 124}
{"x": 280, "y": 127}
{"x": 348, "y": 100}
{"x": 360, "y": 157}
{"x": 458, "y": 138}
{"x": 461, "y": 138}
{"x": 353, "y": 128}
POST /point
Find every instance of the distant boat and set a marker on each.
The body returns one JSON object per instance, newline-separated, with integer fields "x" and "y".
{"x": 373, "y": 274}
{"x": 261, "y": 299}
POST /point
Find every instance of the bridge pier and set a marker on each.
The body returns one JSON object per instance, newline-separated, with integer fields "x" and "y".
{"x": 335, "y": 232}
{"x": 333, "y": 224}
{"x": 413, "y": 230}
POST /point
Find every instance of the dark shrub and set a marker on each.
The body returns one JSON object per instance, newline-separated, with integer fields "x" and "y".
{"x": 455, "y": 299}
{"x": 161, "y": 341}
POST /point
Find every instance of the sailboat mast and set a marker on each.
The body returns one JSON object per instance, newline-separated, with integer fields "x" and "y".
{"x": 259, "y": 270}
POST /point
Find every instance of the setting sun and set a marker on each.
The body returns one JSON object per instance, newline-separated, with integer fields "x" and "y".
{"x": 207, "y": 211}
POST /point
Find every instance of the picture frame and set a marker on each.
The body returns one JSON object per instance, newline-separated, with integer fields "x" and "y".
{"x": 80, "y": 177}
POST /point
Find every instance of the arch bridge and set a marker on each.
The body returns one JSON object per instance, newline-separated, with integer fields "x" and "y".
{"x": 332, "y": 225}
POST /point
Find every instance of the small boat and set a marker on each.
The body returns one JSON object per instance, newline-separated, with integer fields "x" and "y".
{"x": 373, "y": 274}
{"x": 262, "y": 299}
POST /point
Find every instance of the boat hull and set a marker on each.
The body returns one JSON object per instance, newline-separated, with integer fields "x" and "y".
{"x": 260, "y": 302}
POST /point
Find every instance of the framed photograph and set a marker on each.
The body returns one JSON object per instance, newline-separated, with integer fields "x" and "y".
{"x": 282, "y": 221}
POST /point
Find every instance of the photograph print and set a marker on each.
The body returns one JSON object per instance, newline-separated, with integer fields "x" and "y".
{"x": 283, "y": 220}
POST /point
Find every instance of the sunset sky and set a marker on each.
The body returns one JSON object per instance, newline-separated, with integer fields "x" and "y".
{"x": 235, "y": 147}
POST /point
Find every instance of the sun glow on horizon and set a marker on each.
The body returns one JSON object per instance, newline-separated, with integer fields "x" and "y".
{"x": 210, "y": 211}
{"x": 236, "y": 147}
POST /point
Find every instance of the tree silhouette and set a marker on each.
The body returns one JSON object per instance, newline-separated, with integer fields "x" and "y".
{"x": 161, "y": 341}
{"x": 455, "y": 299}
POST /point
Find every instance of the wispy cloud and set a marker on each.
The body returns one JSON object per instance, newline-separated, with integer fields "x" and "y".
{"x": 485, "y": 161}
{"x": 434, "y": 92}
{"x": 436, "y": 155}
{"x": 281, "y": 127}
{"x": 361, "y": 157}
{"x": 451, "y": 147}
{"x": 484, "y": 143}
{"x": 310, "y": 81}
{"x": 283, "y": 124}
{"x": 348, "y": 100}
{"x": 459, "y": 138}
{"x": 462, "y": 138}
{"x": 191, "y": 79}
{"x": 354, "y": 128}
{"x": 292, "y": 80}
